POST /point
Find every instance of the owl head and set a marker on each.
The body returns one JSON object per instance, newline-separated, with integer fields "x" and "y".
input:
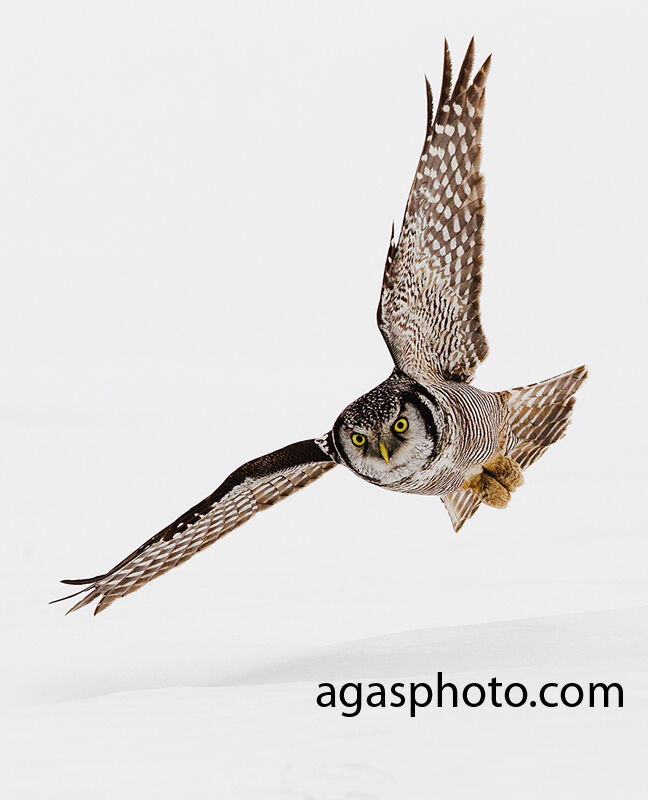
{"x": 388, "y": 433}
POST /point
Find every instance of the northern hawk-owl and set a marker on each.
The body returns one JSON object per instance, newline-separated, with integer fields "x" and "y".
{"x": 426, "y": 429}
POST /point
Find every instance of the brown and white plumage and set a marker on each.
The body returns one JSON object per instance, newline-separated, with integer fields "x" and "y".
{"x": 425, "y": 429}
{"x": 253, "y": 487}
{"x": 429, "y": 305}
{"x": 538, "y": 416}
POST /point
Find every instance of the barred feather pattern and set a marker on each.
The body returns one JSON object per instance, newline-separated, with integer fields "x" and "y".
{"x": 469, "y": 425}
{"x": 538, "y": 416}
{"x": 429, "y": 306}
{"x": 201, "y": 526}
{"x": 460, "y": 506}
{"x": 474, "y": 421}
{"x": 540, "y": 413}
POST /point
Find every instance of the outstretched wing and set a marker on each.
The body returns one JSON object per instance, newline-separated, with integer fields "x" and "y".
{"x": 429, "y": 305}
{"x": 251, "y": 488}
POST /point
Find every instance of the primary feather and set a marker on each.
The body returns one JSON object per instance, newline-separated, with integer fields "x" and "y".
{"x": 429, "y": 305}
{"x": 251, "y": 488}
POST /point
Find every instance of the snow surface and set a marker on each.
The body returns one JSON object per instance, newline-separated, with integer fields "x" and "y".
{"x": 196, "y": 204}
{"x": 257, "y": 732}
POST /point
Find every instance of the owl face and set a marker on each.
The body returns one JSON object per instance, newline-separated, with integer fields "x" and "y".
{"x": 385, "y": 435}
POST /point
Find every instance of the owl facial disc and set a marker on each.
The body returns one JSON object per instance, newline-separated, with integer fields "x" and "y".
{"x": 387, "y": 433}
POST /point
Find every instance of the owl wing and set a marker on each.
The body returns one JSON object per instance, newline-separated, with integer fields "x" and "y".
{"x": 253, "y": 487}
{"x": 429, "y": 305}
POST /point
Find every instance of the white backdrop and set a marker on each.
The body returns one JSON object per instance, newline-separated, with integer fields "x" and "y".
{"x": 196, "y": 202}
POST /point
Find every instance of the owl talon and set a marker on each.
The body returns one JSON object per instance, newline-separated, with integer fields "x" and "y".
{"x": 488, "y": 489}
{"x": 505, "y": 470}
{"x": 499, "y": 477}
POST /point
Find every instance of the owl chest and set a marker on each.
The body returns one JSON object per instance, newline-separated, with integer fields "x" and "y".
{"x": 435, "y": 477}
{"x": 468, "y": 443}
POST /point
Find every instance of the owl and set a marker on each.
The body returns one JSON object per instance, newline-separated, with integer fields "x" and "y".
{"x": 425, "y": 429}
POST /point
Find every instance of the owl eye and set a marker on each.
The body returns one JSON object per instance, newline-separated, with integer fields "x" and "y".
{"x": 358, "y": 439}
{"x": 401, "y": 425}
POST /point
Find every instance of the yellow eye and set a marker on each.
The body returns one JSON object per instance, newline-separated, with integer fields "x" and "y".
{"x": 358, "y": 439}
{"x": 401, "y": 425}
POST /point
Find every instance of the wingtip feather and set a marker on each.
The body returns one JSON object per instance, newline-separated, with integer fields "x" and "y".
{"x": 465, "y": 70}
{"x": 447, "y": 59}
{"x": 83, "y": 602}
{"x": 430, "y": 105}
{"x": 446, "y": 82}
{"x": 483, "y": 71}
{"x": 82, "y": 581}
{"x": 67, "y": 597}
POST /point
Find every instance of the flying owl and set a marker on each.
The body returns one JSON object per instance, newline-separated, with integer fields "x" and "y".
{"x": 425, "y": 429}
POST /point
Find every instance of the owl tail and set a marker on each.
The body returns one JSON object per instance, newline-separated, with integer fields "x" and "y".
{"x": 538, "y": 416}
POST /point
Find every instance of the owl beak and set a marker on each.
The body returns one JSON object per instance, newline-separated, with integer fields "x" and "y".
{"x": 384, "y": 452}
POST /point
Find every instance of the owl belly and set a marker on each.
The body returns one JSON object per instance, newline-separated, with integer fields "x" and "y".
{"x": 432, "y": 478}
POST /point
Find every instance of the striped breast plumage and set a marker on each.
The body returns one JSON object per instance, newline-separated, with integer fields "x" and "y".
{"x": 450, "y": 429}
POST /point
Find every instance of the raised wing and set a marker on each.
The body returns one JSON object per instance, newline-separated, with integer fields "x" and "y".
{"x": 429, "y": 305}
{"x": 251, "y": 488}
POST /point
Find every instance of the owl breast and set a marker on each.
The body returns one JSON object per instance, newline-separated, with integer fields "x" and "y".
{"x": 474, "y": 426}
{"x": 450, "y": 430}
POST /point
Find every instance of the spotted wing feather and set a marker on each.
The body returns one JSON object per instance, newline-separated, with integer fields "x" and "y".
{"x": 251, "y": 488}
{"x": 429, "y": 306}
